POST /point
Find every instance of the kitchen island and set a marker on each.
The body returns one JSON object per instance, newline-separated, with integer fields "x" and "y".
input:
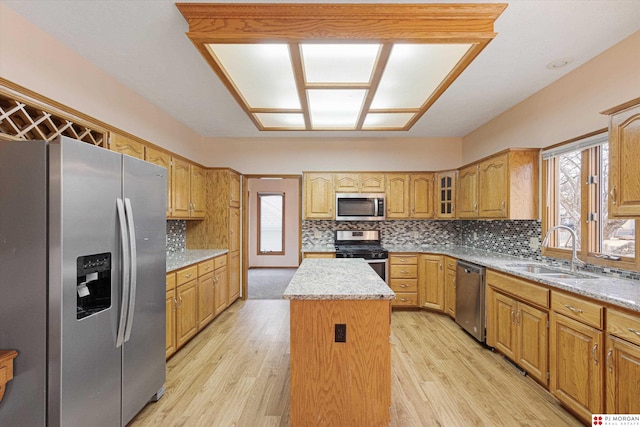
{"x": 340, "y": 351}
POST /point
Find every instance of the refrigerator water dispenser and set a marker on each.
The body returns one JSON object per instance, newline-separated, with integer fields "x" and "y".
{"x": 93, "y": 284}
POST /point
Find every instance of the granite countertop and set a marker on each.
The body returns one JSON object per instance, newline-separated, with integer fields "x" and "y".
{"x": 177, "y": 260}
{"x": 319, "y": 248}
{"x": 337, "y": 279}
{"x": 620, "y": 292}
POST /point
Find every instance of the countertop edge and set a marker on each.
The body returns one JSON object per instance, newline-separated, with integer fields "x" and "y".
{"x": 178, "y": 260}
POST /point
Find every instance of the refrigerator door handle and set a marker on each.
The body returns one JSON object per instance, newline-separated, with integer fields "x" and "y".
{"x": 125, "y": 272}
{"x": 134, "y": 268}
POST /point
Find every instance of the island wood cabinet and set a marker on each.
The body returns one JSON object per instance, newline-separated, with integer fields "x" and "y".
{"x": 359, "y": 182}
{"x": 576, "y": 354}
{"x": 403, "y": 273}
{"x": 431, "y": 281}
{"x": 624, "y": 152}
{"x": 622, "y": 363}
{"x": 319, "y": 255}
{"x": 319, "y": 196}
{"x": 450, "y": 286}
{"x": 518, "y": 322}
{"x": 504, "y": 185}
{"x": 446, "y": 194}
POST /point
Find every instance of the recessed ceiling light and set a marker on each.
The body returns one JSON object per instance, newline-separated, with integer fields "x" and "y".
{"x": 338, "y": 66}
{"x": 559, "y": 63}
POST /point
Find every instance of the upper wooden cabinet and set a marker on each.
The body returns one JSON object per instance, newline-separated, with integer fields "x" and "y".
{"x": 163, "y": 159}
{"x": 359, "y": 182}
{"x": 397, "y": 196}
{"x": 319, "y": 197}
{"x": 198, "y": 191}
{"x": 125, "y": 145}
{"x": 421, "y": 195}
{"x": 234, "y": 189}
{"x": 446, "y": 194}
{"x": 181, "y": 187}
{"x": 467, "y": 197}
{"x": 624, "y": 152}
{"x": 507, "y": 186}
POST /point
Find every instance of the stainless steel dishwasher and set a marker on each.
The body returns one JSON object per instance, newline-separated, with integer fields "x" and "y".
{"x": 470, "y": 308}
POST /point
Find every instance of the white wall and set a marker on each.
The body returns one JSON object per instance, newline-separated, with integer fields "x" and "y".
{"x": 294, "y": 155}
{"x": 291, "y": 188}
{"x": 568, "y": 108}
{"x": 33, "y": 59}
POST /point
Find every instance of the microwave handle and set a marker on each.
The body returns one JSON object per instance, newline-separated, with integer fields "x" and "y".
{"x": 375, "y": 206}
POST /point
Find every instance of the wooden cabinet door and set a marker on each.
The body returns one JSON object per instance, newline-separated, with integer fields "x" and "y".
{"x": 206, "y": 307}
{"x": 501, "y": 324}
{"x": 318, "y": 196}
{"x": 198, "y": 189}
{"x": 234, "y": 277}
{"x": 234, "y": 229}
{"x": 234, "y": 189}
{"x": 170, "y": 330}
{"x": 187, "y": 312}
{"x": 446, "y": 194}
{"x": 450, "y": 292}
{"x": 127, "y": 146}
{"x": 431, "y": 282}
{"x": 163, "y": 159}
{"x": 422, "y": 198}
{"x": 467, "y": 197}
{"x": 624, "y": 152}
{"x": 346, "y": 182}
{"x": 493, "y": 187}
{"x": 372, "y": 182}
{"x": 181, "y": 186}
{"x": 221, "y": 283}
{"x": 623, "y": 376}
{"x": 575, "y": 358}
{"x": 397, "y": 196}
{"x": 532, "y": 341}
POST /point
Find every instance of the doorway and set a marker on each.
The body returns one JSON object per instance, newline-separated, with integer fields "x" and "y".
{"x": 273, "y": 234}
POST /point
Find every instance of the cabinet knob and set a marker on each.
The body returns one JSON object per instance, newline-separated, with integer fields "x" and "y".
{"x": 575, "y": 310}
{"x": 609, "y": 364}
{"x": 593, "y": 353}
{"x": 613, "y": 195}
{"x": 188, "y": 275}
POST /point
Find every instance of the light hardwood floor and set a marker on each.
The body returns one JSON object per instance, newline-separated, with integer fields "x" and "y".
{"x": 236, "y": 373}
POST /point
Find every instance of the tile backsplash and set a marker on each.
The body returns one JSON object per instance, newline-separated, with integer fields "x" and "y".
{"x": 519, "y": 238}
{"x": 176, "y": 235}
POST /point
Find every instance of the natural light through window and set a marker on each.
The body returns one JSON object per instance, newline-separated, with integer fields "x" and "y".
{"x": 270, "y": 224}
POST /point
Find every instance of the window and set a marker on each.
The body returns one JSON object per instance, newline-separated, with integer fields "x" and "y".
{"x": 576, "y": 196}
{"x": 270, "y": 223}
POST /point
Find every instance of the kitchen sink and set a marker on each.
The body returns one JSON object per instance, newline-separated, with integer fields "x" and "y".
{"x": 548, "y": 272}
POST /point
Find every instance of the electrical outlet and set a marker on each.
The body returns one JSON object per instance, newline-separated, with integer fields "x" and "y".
{"x": 416, "y": 234}
{"x": 341, "y": 332}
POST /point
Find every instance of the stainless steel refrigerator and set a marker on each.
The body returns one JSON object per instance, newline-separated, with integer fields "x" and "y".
{"x": 82, "y": 283}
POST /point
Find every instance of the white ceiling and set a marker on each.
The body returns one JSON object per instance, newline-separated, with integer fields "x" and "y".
{"x": 142, "y": 43}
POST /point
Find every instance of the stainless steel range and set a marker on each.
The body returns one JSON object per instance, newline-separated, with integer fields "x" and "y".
{"x": 363, "y": 244}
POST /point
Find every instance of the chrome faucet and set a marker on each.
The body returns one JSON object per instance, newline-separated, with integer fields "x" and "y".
{"x": 574, "y": 251}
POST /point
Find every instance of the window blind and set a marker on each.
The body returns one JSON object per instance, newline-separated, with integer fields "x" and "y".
{"x": 580, "y": 145}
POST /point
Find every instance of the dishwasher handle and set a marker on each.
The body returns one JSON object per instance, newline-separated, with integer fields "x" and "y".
{"x": 470, "y": 268}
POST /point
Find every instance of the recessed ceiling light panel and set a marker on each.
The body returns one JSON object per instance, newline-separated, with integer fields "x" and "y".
{"x": 339, "y": 63}
{"x": 281, "y": 120}
{"x": 335, "y": 109}
{"x": 395, "y": 121}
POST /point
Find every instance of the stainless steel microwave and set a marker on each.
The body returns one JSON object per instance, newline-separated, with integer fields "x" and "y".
{"x": 360, "y": 206}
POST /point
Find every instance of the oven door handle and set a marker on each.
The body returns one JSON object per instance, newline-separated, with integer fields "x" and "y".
{"x": 376, "y": 261}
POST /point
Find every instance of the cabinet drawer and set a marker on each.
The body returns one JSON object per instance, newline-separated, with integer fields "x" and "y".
{"x": 450, "y": 263}
{"x": 578, "y": 309}
{"x": 405, "y": 299}
{"x": 171, "y": 281}
{"x": 404, "y": 285}
{"x": 186, "y": 274}
{"x": 404, "y": 271}
{"x": 220, "y": 261}
{"x": 623, "y": 325}
{"x": 519, "y": 288}
{"x": 205, "y": 267}
{"x": 403, "y": 259}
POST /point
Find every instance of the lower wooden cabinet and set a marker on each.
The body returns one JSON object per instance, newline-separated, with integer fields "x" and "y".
{"x": 403, "y": 279}
{"x": 187, "y": 312}
{"x": 206, "y": 308}
{"x": 431, "y": 282}
{"x": 319, "y": 255}
{"x": 171, "y": 307}
{"x": 622, "y": 363}
{"x": 221, "y": 283}
{"x": 575, "y": 361}
{"x": 234, "y": 277}
{"x": 450, "y": 287}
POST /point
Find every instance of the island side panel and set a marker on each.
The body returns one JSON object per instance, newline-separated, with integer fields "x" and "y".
{"x": 340, "y": 383}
